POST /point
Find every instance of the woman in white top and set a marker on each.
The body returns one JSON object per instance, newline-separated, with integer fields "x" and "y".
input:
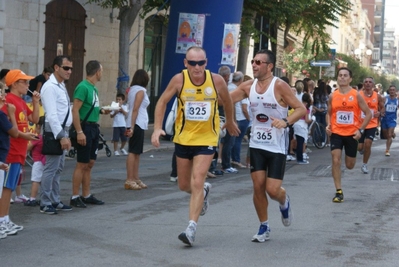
{"x": 136, "y": 123}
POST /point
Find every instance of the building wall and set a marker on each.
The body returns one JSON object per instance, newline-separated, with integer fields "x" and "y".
{"x": 22, "y": 37}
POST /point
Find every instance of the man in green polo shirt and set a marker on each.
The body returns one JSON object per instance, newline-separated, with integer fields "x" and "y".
{"x": 85, "y": 101}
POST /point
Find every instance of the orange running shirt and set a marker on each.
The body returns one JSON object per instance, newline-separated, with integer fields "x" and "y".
{"x": 372, "y": 103}
{"x": 345, "y": 113}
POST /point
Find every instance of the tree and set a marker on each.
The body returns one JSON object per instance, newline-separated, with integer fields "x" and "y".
{"x": 128, "y": 11}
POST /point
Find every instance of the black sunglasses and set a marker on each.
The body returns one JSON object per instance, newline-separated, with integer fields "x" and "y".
{"x": 193, "y": 62}
{"x": 258, "y": 62}
{"x": 66, "y": 68}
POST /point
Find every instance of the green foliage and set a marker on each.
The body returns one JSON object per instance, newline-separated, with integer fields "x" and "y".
{"x": 110, "y": 3}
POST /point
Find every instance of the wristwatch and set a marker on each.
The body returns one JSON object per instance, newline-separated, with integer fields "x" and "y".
{"x": 288, "y": 125}
{"x": 361, "y": 131}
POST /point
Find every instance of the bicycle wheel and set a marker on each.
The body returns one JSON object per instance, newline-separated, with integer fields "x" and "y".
{"x": 319, "y": 136}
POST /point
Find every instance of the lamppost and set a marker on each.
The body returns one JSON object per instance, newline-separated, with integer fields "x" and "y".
{"x": 363, "y": 56}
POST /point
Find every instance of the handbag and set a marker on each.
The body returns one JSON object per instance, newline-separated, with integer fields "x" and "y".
{"x": 51, "y": 145}
{"x": 73, "y": 135}
{"x": 170, "y": 119}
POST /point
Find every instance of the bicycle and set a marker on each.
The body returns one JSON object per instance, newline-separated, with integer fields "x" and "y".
{"x": 318, "y": 133}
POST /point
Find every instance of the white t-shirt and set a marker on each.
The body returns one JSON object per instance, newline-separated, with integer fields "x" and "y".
{"x": 119, "y": 119}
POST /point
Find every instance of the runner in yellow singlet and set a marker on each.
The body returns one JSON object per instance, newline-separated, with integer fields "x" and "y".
{"x": 196, "y": 129}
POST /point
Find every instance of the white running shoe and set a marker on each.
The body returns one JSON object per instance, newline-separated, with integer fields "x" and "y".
{"x": 124, "y": 152}
{"x": 13, "y": 226}
{"x": 262, "y": 235}
{"x": 116, "y": 153}
{"x": 230, "y": 170}
{"x": 21, "y": 199}
{"x": 188, "y": 236}
{"x": 286, "y": 215}
{"x": 205, "y": 206}
{"x": 305, "y": 156}
{"x": 290, "y": 158}
{"x": 364, "y": 169}
{"x": 5, "y": 230}
{"x": 173, "y": 179}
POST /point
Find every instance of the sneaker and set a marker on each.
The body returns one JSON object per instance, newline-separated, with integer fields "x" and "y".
{"x": 387, "y": 154}
{"x": 173, "y": 179}
{"x": 124, "y": 152}
{"x": 286, "y": 215}
{"x": 305, "y": 156}
{"x": 61, "y": 206}
{"x": 188, "y": 236}
{"x": 4, "y": 229}
{"x": 364, "y": 169}
{"x": 92, "y": 200}
{"x": 308, "y": 150}
{"x": 230, "y": 170}
{"x": 339, "y": 197}
{"x": 11, "y": 201}
{"x": 3, "y": 235}
{"x": 77, "y": 202}
{"x": 31, "y": 203}
{"x": 116, "y": 153}
{"x": 303, "y": 162}
{"x": 205, "y": 206}
{"x": 21, "y": 199}
{"x": 217, "y": 172}
{"x": 262, "y": 235}
{"x": 50, "y": 210}
{"x": 13, "y": 226}
{"x": 290, "y": 158}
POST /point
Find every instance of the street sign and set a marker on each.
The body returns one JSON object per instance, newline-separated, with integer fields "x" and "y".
{"x": 320, "y": 63}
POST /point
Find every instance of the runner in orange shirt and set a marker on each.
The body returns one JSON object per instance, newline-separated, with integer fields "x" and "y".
{"x": 345, "y": 126}
{"x": 376, "y": 104}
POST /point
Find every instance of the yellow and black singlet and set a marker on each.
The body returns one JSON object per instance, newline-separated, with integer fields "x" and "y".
{"x": 197, "y": 120}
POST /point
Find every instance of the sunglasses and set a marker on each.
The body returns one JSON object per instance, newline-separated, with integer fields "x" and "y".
{"x": 258, "y": 62}
{"x": 66, "y": 68}
{"x": 194, "y": 63}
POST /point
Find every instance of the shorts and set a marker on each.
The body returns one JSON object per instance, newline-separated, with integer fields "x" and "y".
{"x": 136, "y": 142}
{"x": 388, "y": 123}
{"x": 89, "y": 151}
{"x": 272, "y": 163}
{"x": 119, "y": 134}
{"x": 37, "y": 171}
{"x": 369, "y": 134}
{"x": 12, "y": 176}
{"x": 347, "y": 142}
{"x": 189, "y": 152}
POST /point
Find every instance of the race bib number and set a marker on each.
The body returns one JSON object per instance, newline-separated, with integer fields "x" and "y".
{"x": 345, "y": 117}
{"x": 362, "y": 115}
{"x": 390, "y": 108}
{"x": 264, "y": 135}
{"x": 197, "y": 111}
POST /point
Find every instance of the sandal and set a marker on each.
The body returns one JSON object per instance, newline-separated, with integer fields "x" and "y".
{"x": 131, "y": 185}
{"x": 141, "y": 184}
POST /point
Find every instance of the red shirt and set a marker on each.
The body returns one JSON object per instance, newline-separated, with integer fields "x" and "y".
{"x": 18, "y": 146}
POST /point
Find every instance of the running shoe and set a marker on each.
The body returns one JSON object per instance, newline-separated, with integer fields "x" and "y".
{"x": 305, "y": 156}
{"x": 262, "y": 235}
{"x": 13, "y": 226}
{"x": 387, "y": 154}
{"x": 339, "y": 197}
{"x": 286, "y": 215}
{"x": 205, "y": 206}
{"x": 364, "y": 169}
{"x": 21, "y": 199}
{"x": 303, "y": 162}
{"x": 116, "y": 153}
{"x": 290, "y": 158}
{"x": 31, "y": 203}
{"x": 124, "y": 152}
{"x": 188, "y": 236}
{"x": 4, "y": 229}
{"x": 173, "y": 179}
{"x": 230, "y": 170}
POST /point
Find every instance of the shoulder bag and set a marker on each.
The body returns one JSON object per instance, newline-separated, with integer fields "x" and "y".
{"x": 51, "y": 145}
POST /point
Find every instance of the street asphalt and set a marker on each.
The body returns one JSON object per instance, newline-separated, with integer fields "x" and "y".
{"x": 140, "y": 228}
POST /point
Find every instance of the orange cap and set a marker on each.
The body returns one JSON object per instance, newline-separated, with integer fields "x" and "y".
{"x": 15, "y": 75}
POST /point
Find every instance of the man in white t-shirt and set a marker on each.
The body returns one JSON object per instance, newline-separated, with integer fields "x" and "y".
{"x": 119, "y": 125}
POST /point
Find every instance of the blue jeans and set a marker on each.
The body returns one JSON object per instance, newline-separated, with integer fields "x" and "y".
{"x": 226, "y": 151}
{"x": 236, "y": 150}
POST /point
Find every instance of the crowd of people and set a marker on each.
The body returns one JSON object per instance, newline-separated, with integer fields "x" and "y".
{"x": 274, "y": 115}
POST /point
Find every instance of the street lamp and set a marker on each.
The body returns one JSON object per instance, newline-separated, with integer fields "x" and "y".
{"x": 360, "y": 53}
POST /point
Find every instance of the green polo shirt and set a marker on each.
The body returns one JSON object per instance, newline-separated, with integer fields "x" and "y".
{"x": 87, "y": 93}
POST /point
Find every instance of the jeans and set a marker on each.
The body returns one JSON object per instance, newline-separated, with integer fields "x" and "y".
{"x": 236, "y": 150}
{"x": 226, "y": 151}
